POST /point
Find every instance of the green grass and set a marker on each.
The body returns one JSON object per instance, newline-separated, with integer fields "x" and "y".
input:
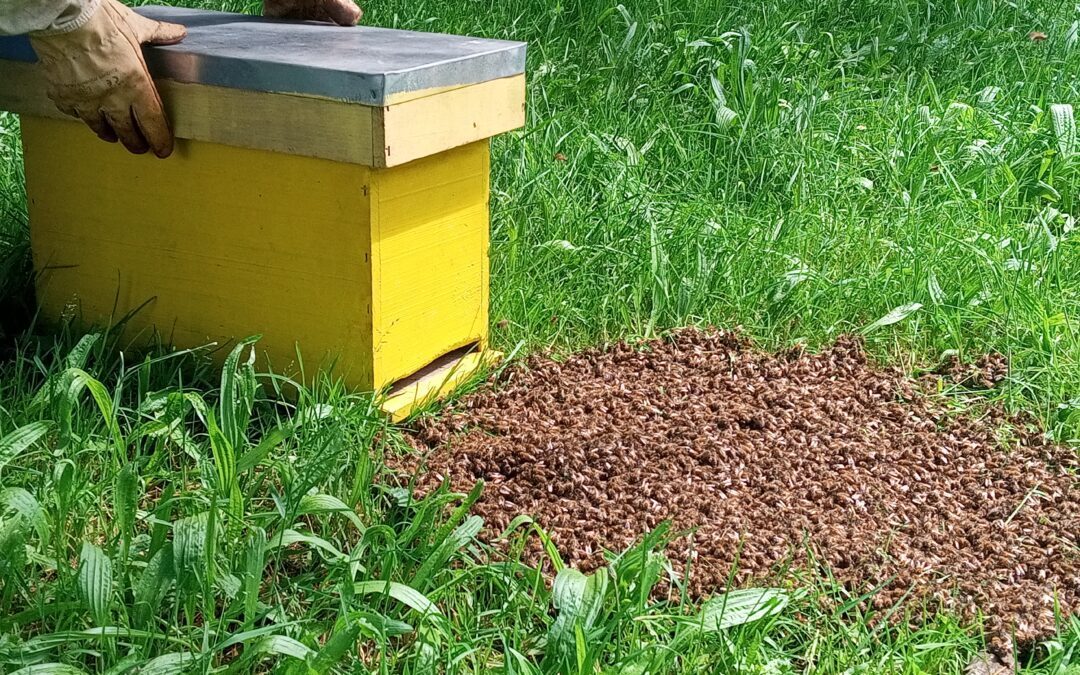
{"x": 798, "y": 168}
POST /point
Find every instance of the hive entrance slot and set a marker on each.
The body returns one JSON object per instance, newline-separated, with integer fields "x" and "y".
{"x": 444, "y": 365}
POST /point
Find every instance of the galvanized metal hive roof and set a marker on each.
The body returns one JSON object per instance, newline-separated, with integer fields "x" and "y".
{"x": 363, "y": 65}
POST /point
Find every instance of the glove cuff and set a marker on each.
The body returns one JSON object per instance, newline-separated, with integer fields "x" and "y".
{"x": 87, "y": 10}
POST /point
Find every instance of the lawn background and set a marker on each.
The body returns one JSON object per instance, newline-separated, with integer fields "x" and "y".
{"x": 906, "y": 170}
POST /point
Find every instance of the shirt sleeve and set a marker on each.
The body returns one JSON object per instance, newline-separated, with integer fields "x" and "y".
{"x": 44, "y": 17}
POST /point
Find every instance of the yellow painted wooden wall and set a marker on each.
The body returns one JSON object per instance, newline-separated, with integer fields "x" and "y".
{"x": 379, "y": 271}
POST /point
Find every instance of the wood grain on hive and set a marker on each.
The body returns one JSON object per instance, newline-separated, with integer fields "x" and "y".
{"x": 329, "y": 191}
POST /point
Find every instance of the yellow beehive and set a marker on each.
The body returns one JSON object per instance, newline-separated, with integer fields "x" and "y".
{"x": 351, "y": 233}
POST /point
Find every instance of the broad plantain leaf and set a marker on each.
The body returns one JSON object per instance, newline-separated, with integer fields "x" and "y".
{"x": 406, "y": 595}
{"x": 736, "y": 608}
{"x": 18, "y": 441}
{"x": 95, "y": 581}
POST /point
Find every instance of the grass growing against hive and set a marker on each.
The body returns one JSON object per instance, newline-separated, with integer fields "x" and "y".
{"x": 906, "y": 170}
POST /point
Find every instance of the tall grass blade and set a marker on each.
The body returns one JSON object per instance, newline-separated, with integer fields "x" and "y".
{"x": 444, "y": 550}
{"x": 335, "y": 649}
{"x": 270, "y": 440}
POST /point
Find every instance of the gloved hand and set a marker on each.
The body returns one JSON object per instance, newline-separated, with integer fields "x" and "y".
{"x": 341, "y": 12}
{"x": 97, "y": 73}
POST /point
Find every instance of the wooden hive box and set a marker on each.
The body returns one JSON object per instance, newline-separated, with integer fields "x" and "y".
{"x": 328, "y": 191}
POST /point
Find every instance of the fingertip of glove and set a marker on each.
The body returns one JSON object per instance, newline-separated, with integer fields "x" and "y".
{"x": 347, "y": 13}
{"x": 168, "y": 34}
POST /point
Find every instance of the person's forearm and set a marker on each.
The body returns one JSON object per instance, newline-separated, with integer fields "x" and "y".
{"x": 44, "y": 17}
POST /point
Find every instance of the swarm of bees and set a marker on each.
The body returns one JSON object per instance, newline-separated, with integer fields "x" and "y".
{"x": 773, "y": 465}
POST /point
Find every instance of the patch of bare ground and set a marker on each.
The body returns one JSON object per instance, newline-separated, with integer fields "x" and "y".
{"x": 776, "y": 460}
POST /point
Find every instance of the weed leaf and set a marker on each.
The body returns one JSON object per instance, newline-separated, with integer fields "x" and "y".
{"x": 12, "y": 547}
{"x": 578, "y": 599}
{"x": 1064, "y": 128}
{"x": 321, "y": 503}
{"x": 283, "y": 645}
{"x": 1072, "y": 35}
{"x": 238, "y": 388}
{"x": 79, "y": 380}
{"x": 95, "y": 581}
{"x": 79, "y": 355}
{"x": 17, "y": 442}
{"x": 289, "y": 537}
{"x": 224, "y": 457}
{"x": 254, "y": 564}
{"x": 189, "y": 550}
{"x": 176, "y": 663}
{"x": 406, "y": 595}
{"x": 126, "y": 500}
{"x": 154, "y": 583}
{"x": 23, "y": 503}
{"x": 378, "y": 626}
{"x": 737, "y": 608}
{"x": 896, "y": 315}
{"x": 937, "y": 296}
{"x": 49, "y": 669}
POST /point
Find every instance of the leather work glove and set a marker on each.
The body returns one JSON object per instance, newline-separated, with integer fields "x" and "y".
{"x": 97, "y": 73}
{"x": 341, "y": 12}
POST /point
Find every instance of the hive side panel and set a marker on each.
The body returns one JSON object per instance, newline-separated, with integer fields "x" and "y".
{"x": 429, "y": 253}
{"x": 213, "y": 244}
